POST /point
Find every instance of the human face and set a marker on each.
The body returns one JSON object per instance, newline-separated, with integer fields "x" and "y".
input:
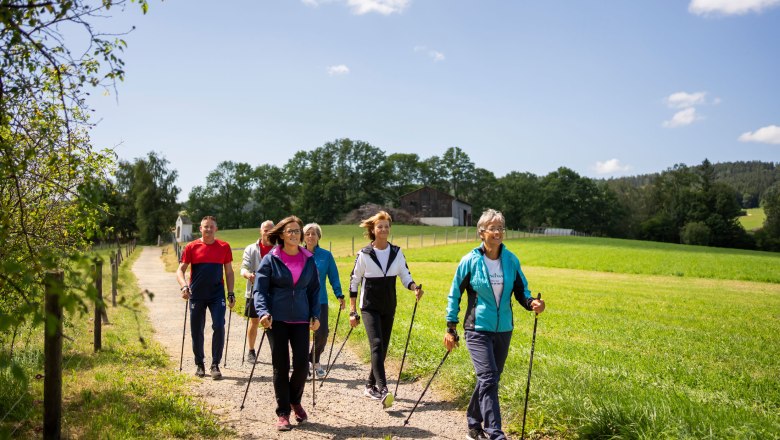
{"x": 207, "y": 229}
{"x": 493, "y": 233}
{"x": 264, "y": 231}
{"x": 382, "y": 230}
{"x": 292, "y": 234}
{"x": 311, "y": 238}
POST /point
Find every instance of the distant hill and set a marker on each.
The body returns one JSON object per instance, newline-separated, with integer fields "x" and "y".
{"x": 750, "y": 178}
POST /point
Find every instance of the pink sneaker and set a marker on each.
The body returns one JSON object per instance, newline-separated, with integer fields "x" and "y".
{"x": 300, "y": 413}
{"x": 283, "y": 424}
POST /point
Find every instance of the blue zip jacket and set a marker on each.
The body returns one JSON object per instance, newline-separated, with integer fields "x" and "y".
{"x": 274, "y": 293}
{"x": 326, "y": 266}
{"x": 482, "y": 312}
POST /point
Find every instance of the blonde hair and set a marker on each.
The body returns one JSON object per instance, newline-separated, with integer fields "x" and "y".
{"x": 371, "y": 222}
{"x": 314, "y": 226}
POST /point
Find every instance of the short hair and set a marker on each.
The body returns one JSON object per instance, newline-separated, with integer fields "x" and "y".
{"x": 209, "y": 217}
{"x": 275, "y": 236}
{"x": 271, "y": 222}
{"x": 490, "y": 215}
{"x": 371, "y": 222}
{"x": 314, "y": 226}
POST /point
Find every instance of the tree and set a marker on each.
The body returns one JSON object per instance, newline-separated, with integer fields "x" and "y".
{"x": 405, "y": 175}
{"x": 520, "y": 199}
{"x": 458, "y": 169}
{"x": 154, "y": 193}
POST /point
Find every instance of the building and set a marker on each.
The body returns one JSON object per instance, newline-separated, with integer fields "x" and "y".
{"x": 434, "y": 207}
{"x": 183, "y": 229}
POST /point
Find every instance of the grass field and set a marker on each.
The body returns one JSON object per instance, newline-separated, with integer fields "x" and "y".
{"x": 640, "y": 340}
{"x": 128, "y": 390}
{"x": 754, "y": 219}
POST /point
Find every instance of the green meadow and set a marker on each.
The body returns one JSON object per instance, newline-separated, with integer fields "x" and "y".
{"x": 640, "y": 340}
{"x": 754, "y": 219}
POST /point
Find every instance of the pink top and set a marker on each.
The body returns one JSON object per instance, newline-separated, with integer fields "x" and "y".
{"x": 295, "y": 263}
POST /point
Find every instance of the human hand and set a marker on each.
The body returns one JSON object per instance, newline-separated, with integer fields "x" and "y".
{"x": 314, "y": 324}
{"x": 354, "y": 319}
{"x": 266, "y": 321}
{"x": 451, "y": 339}
{"x": 342, "y": 306}
{"x": 231, "y": 299}
{"x": 418, "y": 292}
{"x": 537, "y": 305}
{"x": 251, "y": 278}
{"x": 185, "y": 292}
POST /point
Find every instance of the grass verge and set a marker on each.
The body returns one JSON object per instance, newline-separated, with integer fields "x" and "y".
{"x": 127, "y": 390}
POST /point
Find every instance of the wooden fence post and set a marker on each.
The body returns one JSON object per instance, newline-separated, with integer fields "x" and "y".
{"x": 421, "y": 240}
{"x": 98, "y": 328}
{"x": 353, "y": 245}
{"x": 434, "y": 239}
{"x": 114, "y": 279}
{"x": 52, "y": 371}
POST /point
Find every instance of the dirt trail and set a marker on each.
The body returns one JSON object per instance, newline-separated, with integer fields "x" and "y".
{"x": 341, "y": 412}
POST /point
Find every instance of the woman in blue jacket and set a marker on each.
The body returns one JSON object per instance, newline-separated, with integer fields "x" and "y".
{"x": 326, "y": 266}
{"x": 489, "y": 275}
{"x": 287, "y": 300}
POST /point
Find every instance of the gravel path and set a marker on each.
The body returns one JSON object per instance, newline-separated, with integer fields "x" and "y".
{"x": 341, "y": 412}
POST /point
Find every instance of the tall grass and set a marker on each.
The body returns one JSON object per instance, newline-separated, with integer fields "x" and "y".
{"x": 127, "y": 390}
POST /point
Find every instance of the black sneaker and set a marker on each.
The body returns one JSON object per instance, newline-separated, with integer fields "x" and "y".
{"x": 201, "y": 370}
{"x": 251, "y": 357}
{"x": 372, "y": 392}
{"x": 387, "y": 398}
{"x": 215, "y": 373}
{"x": 476, "y": 434}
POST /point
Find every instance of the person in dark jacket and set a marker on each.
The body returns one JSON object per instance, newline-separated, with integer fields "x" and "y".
{"x": 489, "y": 275}
{"x": 376, "y": 268}
{"x": 287, "y": 300}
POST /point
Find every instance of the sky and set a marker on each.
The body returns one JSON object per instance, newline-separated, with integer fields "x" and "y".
{"x": 607, "y": 88}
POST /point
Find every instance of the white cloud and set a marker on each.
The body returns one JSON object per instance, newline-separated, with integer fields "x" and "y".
{"x": 384, "y": 7}
{"x": 435, "y": 55}
{"x": 765, "y": 135}
{"x": 682, "y": 118}
{"x": 685, "y": 99}
{"x": 341, "y": 69}
{"x": 729, "y": 7}
{"x": 361, "y": 7}
{"x": 611, "y": 166}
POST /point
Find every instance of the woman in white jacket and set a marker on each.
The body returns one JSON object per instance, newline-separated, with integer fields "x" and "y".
{"x": 376, "y": 268}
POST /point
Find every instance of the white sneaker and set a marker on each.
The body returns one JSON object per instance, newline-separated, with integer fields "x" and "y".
{"x": 318, "y": 370}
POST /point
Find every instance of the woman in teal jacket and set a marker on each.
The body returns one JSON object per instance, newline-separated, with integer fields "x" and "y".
{"x": 489, "y": 275}
{"x": 326, "y": 267}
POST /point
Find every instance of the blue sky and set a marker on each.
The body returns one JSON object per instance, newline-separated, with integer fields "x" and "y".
{"x": 606, "y": 88}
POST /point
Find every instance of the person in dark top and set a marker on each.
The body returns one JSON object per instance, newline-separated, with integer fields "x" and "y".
{"x": 287, "y": 299}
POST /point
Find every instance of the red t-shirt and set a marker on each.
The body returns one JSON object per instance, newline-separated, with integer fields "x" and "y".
{"x": 207, "y": 262}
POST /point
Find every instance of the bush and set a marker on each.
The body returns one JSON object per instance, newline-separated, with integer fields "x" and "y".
{"x": 696, "y": 233}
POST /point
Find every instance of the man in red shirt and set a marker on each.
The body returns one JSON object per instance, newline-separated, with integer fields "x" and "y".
{"x": 208, "y": 257}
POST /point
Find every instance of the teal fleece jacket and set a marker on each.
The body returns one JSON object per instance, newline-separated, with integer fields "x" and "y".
{"x": 482, "y": 311}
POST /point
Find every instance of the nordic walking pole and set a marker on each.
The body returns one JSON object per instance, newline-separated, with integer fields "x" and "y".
{"x": 530, "y": 366}
{"x": 184, "y": 333}
{"x": 406, "y": 422}
{"x": 227, "y": 339}
{"x": 322, "y": 381}
{"x": 338, "y": 316}
{"x": 414, "y": 311}
{"x": 246, "y": 331}
{"x": 252, "y": 373}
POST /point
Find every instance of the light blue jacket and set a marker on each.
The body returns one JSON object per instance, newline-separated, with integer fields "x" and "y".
{"x": 482, "y": 311}
{"x": 326, "y": 266}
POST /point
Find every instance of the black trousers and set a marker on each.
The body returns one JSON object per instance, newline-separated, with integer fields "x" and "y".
{"x": 321, "y": 335}
{"x": 379, "y": 326}
{"x": 288, "y": 388}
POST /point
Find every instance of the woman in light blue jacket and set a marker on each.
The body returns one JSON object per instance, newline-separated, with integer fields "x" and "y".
{"x": 489, "y": 275}
{"x": 326, "y": 267}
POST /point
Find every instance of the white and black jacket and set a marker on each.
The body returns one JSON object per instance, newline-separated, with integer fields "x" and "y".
{"x": 377, "y": 286}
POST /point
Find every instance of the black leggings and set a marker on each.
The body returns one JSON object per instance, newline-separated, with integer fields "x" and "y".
{"x": 289, "y": 388}
{"x": 378, "y": 329}
{"x": 321, "y": 335}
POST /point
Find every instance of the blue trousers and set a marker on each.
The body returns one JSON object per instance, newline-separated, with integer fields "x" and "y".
{"x": 488, "y": 352}
{"x": 215, "y": 305}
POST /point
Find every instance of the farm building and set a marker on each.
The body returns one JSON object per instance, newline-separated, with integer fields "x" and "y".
{"x": 183, "y": 229}
{"x": 434, "y": 207}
